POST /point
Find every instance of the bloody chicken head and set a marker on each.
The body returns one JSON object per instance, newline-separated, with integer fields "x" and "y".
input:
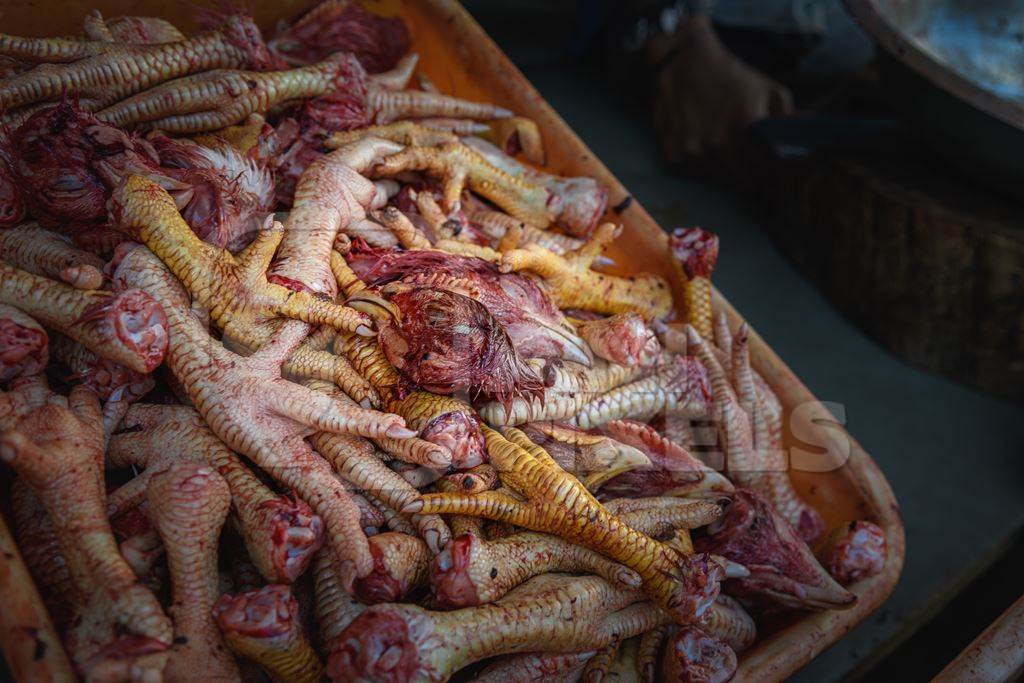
{"x": 782, "y": 568}
{"x": 445, "y": 342}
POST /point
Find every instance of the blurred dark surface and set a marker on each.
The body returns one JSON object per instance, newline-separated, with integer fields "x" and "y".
{"x": 954, "y": 67}
{"x": 952, "y": 454}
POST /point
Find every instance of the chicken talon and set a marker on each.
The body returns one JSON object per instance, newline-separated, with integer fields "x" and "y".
{"x": 235, "y": 290}
{"x": 386, "y": 105}
{"x": 747, "y": 462}
{"x": 515, "y": 135}
{"x": 57, "y": 449}
{"x": 472, "y": 571}
{"x": 649, "y": 652}
{"x": 557, "y": 503}
{"x": 572, "y": 284}
{"x": 280, "y": 533}
{"x": 234, "y": 396}
{"x": 357, "y": 462}
{"x": 681, "y": 387}
{"x": 49, "y": 254}
{"x": 552, "y": 613}
{"x": 598, "y": 667}
{"x": 459, "y": 167}
{"x": 215, "y": 99}
{"x": 578, "y": 203}
{"x": 100, "y": 67}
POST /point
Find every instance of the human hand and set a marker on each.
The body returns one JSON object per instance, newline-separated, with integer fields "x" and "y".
{"x": 705, "y": 94}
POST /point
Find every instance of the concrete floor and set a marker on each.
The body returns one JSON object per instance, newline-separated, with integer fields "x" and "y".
{"x": 952, "y": 455}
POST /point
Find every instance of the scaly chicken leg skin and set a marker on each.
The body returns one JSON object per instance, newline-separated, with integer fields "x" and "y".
{"x": 281, "y": 533}
{"x": 696, "y": 252}
{"x": 473, "y": 571}
{"x": 264, "y": 626}
{"x": 557, "y": 503}
{"x": 571, "y": 283}
{"x": 678, "y": 386}
{"x": 241, "y": 300}
{"x": 31, "y": 647}
{"x": 335, "y": 608}
{"x": 50, "y": 254}
{"x": 330, "y": 195}
{"x": 127, "y": 327}
{"x": 255, "y": 412}
{"x": 216, "y": 99}
{"x": 119, "y": 630}
{"x": 188, "y": 504}
{"x": 459, "y": 167}
{"x": 235, "y": 290}
{"x": 550, "y": 613}
{"x": 100, "y": 78}
{"x": 749, "y": 459}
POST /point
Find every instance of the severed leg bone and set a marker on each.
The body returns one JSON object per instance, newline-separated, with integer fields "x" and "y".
{"x": 24, "y": 345}
{"x": 696, "y": 252}
{"x": 264, "y": 626}
{"x": 400, "y": 565}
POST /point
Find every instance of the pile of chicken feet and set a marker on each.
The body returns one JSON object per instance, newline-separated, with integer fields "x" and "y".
{"x": 406, "y": 428}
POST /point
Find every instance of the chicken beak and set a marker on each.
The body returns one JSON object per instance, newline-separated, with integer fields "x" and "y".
{"x": 374, "y": 306}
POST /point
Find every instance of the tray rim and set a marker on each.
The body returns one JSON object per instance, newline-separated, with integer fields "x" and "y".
{"x": 777, "y": 657}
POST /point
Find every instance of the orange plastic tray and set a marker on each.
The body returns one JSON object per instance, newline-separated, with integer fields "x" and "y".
{"x": 459, "y": 57}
